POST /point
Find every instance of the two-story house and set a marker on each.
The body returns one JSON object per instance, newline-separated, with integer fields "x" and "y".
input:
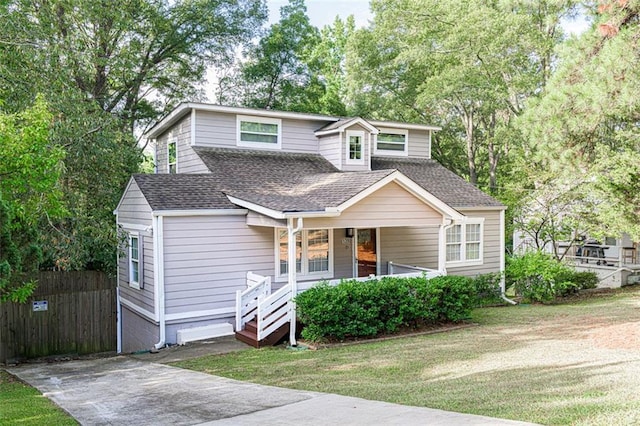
{"x": 294, "y": 197}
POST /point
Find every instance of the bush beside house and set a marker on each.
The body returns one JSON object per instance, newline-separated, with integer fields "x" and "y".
{"x": 366, "y": 309}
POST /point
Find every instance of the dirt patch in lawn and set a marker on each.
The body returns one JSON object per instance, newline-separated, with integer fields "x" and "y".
{"x": 618, "y": 336}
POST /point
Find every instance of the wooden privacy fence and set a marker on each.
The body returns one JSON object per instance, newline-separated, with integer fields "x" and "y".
{"x": 69, "y": 313}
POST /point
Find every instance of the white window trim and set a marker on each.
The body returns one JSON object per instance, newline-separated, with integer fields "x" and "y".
{"x": 394, "y": 131}
{"x": 305, "y": 265}
{"x": 350, "y": 133}
{"x": 172, "y": 142}
{"x": 463, "y": 244}
{"x": 255, "y": 119}
{"x": 132, "y": 283}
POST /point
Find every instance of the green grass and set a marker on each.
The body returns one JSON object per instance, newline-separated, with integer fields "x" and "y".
{"x": 21, "y": 404}
{"x": 559, "y": 364}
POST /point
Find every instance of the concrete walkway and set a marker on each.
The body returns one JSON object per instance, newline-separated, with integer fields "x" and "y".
{"x": 123, "y": 391}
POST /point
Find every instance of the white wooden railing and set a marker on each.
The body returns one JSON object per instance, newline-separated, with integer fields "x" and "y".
{"x": 272, "y": 310}
{"x": 395, "y": 268}
{"x": 258, "y": 287}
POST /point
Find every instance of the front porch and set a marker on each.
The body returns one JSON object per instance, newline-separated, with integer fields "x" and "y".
{"x": 264, "y": 316}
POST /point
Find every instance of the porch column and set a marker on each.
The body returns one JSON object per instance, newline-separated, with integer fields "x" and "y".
{"x": 291, "y": 272}
{"x": 442, "y": 246}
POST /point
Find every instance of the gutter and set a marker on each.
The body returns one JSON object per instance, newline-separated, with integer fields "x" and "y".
{"x": 118, "y": 320}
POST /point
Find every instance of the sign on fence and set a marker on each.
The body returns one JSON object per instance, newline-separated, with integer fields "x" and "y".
{"x": 40, "y": 305}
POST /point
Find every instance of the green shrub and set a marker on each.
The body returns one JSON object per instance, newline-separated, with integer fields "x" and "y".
{"x": 487, "y": 290}
{"x": 538, "y": 277}
{"x": 368, "y": 308}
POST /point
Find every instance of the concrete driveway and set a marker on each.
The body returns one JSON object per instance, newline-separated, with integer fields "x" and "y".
{"x": 123, "y": 391}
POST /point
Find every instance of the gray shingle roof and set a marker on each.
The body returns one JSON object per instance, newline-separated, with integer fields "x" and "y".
{"x": 438, "y": 180}
{"x": 280, "y": 181}
{"x": 294, "y": 182}
{"x": 182, "y": 191}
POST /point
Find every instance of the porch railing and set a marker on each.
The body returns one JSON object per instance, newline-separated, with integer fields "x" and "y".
{"x": 272, "y": 310}
{"x": 395, "y": 268}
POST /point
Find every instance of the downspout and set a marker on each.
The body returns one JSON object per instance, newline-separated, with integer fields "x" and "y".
{"x": 159, "y": 274}
{"x": 118, "y": 307}
{"x": 118, "y": 320}
{"x": 502, "y": 262}
{"x": 291, "y": 269}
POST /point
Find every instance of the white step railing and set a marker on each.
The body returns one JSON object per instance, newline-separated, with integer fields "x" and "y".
{"x": 274, "y": 311}
{"x": 258, "y": 287}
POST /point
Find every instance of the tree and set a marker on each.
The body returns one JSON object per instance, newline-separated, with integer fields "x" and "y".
{"x": 585, "y": 123}
{"x": 29, "y": 193}
{"x": 134, "y": 58}
{"x": 468, "y": 66}
{"x": 276, "y": 73}
{"x": 108, "y": 70}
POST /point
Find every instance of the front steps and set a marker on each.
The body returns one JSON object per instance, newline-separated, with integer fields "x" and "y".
{"x": 250, "y": 335}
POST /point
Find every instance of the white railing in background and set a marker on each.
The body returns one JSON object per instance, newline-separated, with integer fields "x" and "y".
{"x": 258, "y": 287}
{"x": 429, "y": 273}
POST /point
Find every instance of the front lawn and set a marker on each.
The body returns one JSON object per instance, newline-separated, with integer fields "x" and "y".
{"x": 21, "y": 404}
{"x": 576, "y": 363}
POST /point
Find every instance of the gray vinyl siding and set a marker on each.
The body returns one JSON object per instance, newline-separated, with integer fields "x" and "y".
{"x": 419, "y": 143}
{"x": 368, "y": 140}
{"x": 134, "y": 210}
{"x": 410, "y": 246}
{"x": 188, "y": 161}
{"x": 216, "y": 129}
{"x": 329, "y": 148}
{"x": 206, "y": 259}
{"x": 491, "y": 246}
{"x": 143, "y": 297}
{"x": 138, "y": 333}
{"x": 133, "y": 207}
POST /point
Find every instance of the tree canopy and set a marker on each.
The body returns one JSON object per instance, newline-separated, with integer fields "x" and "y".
{"x": 29, "y": 194}
{"x": 108, "y": 70}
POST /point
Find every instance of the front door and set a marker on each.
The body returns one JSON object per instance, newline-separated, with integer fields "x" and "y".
{"x": 366, "y": 254}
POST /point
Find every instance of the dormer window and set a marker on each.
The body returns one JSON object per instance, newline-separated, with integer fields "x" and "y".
{"x": 259, "y": 132}
{"x": 172, "y": 157}
{"x": 355, "y": 147}
{"x": 392, "y": 142}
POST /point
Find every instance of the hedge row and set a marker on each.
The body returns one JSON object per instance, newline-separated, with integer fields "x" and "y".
{"x": 364, "y": 309}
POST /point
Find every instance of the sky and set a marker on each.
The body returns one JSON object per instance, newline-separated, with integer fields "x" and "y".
{"x": 323, "y": 12}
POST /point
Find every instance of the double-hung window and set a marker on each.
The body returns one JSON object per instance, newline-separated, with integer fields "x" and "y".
{"x": 464, "y": 242}
{"x": 135, "y": 255}
{"x": 313, "y": 252}
{"x": 172, "y": 156}
{"x": 355, "y": 147}
{"x": 259, "y": 132}
{"x": 392, "y": 142}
